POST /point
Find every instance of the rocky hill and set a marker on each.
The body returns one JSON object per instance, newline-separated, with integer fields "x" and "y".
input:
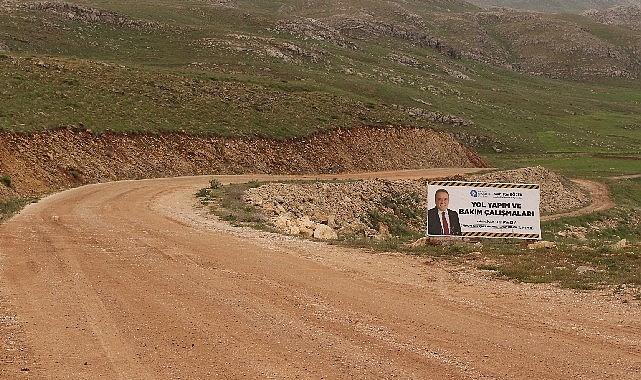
{"x": 623, "y": 16}
{"x": 553, "y": 6}
{"x": 528, "y": 42}
{"x": 500, "y": 36}
{"x": 106, "y": 90}
{"x": 274, "y": 69}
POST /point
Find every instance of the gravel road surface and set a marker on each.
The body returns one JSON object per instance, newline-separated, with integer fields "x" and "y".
{"x": 128, "y": 280}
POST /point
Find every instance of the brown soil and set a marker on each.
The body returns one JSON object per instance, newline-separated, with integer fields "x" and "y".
{"x": 49, "y": 161}
{"x": 128, "y": 280}
{"x": 600, "y": 195}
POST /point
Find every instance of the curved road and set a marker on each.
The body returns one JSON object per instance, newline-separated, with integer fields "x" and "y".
{"x": 600, "y": 199}
{"x": 127, "y": 281}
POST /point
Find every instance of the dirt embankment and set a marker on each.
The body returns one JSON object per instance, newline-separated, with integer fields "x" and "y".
{"x": 36, "y": 164}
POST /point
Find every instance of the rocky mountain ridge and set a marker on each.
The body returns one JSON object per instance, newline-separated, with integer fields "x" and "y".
{"x": 626, "y": 16}
{"x": 555, "y": 6}
{"x": 528, "y": 42}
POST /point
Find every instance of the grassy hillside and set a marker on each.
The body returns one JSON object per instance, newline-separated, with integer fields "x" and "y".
{"x": 524, "y": 85}
{"x": 560, "y": 6}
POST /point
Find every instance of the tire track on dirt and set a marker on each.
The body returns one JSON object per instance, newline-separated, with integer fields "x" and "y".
{"x": 601, "y": 200}
{"x": 183, "y": 295}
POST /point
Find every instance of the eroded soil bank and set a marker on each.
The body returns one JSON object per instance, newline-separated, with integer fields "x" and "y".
{"x": 40, "y": 163}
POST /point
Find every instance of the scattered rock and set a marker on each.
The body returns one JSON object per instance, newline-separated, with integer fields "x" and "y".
{"x": 324, "y": 232}
{"x": 306, "y": 226}
{"x": 621, "y": 244}
{"x": 424, "y": 241}
{"x": 584, "y": 269}
{"x": 574, "y": 232}
{"x": 583, "y": 248}
{"x": 542, "y": 244}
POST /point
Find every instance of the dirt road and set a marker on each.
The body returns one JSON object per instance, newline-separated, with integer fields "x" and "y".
{"x": 126, "y": 281}
{"x": 600, "y": 195}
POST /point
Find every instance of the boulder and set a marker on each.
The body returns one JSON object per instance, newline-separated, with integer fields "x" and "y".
{"x": 620, "y": 244}
{"x": 324, "y": 232}
{"x": 542, "y": 244}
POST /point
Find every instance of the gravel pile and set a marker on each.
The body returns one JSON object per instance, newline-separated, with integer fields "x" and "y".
{"x": 350, "y": 208}
{"x": 557, "y": 193}
{"x": 343, "y": 206}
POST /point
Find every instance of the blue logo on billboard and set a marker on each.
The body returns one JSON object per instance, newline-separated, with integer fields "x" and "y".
{"x": 474, "y": 193}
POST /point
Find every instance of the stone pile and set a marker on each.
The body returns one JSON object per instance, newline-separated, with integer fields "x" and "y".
{"x": 313, "y": 209}
{"x": 557, "y": 193}
{"x": 332, "y": 209}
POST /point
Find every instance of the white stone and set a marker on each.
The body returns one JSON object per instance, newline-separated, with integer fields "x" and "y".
{"x": 620, "y": 244}
{"x": 324, "y": 232}
{"x": 542, "y": 244}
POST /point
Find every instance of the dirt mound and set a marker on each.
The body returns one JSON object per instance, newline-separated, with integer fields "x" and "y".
{"x": 557, "y": 193}
{"x": 346, "y": 207}
{"x": 370, "y": 208}
{"x": 40, "y": 163}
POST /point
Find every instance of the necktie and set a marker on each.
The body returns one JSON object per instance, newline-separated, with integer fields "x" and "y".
{"x": 446, "y": 228}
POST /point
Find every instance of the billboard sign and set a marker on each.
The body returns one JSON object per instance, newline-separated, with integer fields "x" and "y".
{"x": 480, "y": 209}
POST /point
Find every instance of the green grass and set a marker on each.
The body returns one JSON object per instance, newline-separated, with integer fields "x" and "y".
{"x": 185, "y": 66}
{"x": 587, "y": 260}
{"x": 576, "y": 270}
{"x": 161, "y": 101}
{"x": 627, "y": 192}
{"x": 227, "y": 203}
{"x": 573, "y": 165}
{"x": 134, "y": 78}
{"x": 12, "y": 206}
{"x": 581, "y": 262}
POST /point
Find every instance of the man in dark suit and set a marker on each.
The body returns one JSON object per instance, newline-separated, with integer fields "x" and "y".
{"x": 441, "y": 220}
